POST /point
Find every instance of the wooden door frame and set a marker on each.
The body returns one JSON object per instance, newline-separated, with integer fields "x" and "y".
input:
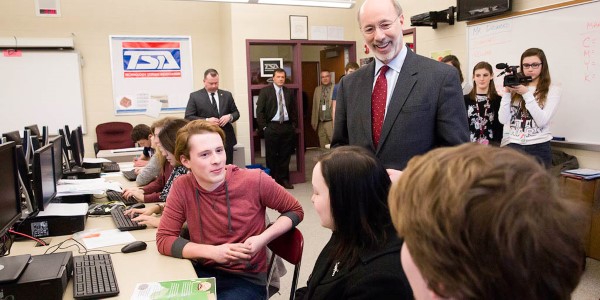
{"x": 299, "y": 175}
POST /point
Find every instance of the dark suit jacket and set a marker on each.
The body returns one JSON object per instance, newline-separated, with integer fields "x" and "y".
{"x": 377, "y": 275}
{"x": 426, "y": 111}
{"x": 266, "y": 106}
{"x": 200, "y": 107}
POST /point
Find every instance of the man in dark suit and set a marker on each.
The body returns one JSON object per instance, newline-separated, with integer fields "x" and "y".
{"x": 401, "y": 104}
{"x": 277, "y": 116}
{"x": 217, "y": 106}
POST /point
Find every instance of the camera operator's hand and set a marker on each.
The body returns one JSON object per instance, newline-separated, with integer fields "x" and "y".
{"x": 519, "y": 89}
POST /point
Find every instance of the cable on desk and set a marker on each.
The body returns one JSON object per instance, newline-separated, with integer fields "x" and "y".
{"x": 79, "y": 246}
{"x": 28, "y": 236}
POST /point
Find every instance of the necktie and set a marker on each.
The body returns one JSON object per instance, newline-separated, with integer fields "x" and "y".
{"x": 280, "y": 100}
{"x": 378, "y": 99}
{"x": 214, "y": 102}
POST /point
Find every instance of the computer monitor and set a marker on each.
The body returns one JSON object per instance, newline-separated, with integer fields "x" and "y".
{"x": 44, "y": 184}
{"x": 27, "y": 145}
{"x": 65, "y": 146}
{"x": 76, "y": 150}
{"x": 25, "y": 181}
{"x": 81, "y": 147}
{"x": 44, "y": 139}
{"x": 14, "y": 136}
{"x": 58, "y": 153}
{"x": 35, "y": 143}
{"x": 10, "y": 198}
{"x": 68, "y": 133}
{"x": 34, "y": 129}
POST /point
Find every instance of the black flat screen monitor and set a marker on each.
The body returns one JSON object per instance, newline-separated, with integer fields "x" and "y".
{"x": 35, "y": 143}
{"x": 76, "y": 150}
{"x": 44, "y": 139}
{"x": 14, "y": 136}
{"x": 10, "y": 197}
{"x": 44, "y": 184}
{"x": 57, "y": 152}
{"x": 81, "y": 147}
{"x": 35, "y": 130}
{"x": 25, "y": 176}
{"x": 479, "y": 9}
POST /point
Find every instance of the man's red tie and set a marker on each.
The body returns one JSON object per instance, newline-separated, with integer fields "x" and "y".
{"x": 378, "y": 99}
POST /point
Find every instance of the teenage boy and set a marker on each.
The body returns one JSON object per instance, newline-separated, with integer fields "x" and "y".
{"x": 224, "y": 207}
{"x": 142, "y": 135}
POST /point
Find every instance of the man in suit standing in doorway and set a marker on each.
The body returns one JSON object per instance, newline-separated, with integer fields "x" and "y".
{"x": 401, "y": 104}
{"x": 215, "y": 105}
{"x": 277, "y": 116}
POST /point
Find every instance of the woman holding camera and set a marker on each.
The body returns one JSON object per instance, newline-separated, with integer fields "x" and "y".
{"x": 529, "y": 108}
{"x": 482, "y": 105}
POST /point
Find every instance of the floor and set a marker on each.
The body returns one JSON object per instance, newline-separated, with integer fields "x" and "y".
{"x": 316, "y": 236}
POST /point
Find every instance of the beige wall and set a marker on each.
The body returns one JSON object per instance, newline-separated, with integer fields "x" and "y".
{"x": 219, "y": 33}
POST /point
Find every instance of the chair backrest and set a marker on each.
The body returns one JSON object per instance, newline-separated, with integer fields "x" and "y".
{"x": 288, "y": 246}
{"x": 114, "y": 135}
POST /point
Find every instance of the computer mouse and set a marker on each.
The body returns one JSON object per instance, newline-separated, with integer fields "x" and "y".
{"x": 137, "y": 205}
{"x": 134, "y": 247}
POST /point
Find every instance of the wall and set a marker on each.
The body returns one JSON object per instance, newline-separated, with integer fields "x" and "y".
{"x": 219, "y": 33}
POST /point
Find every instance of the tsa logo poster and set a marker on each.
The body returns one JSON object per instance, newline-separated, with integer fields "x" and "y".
{"x": 151, "y": 73}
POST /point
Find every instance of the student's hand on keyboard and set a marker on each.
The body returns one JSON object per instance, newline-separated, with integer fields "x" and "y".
{"x": 147, "y": 220}
{"x": 148, "y": 211}
{"x": 137, "y": 171}
{"x": 140, "y": 163}
{"x": 135, "y": 192}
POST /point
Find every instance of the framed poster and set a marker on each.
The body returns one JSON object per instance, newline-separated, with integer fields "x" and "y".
{"x": 298, "y": 27}
{"x": 269, "y": 65}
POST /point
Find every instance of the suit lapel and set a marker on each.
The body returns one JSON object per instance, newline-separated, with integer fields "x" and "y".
{"x": 404, "y": 84}
{"x": 364, "y": 106}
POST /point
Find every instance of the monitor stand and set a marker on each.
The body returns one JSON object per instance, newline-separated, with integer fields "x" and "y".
{"x": 11, "y": 267}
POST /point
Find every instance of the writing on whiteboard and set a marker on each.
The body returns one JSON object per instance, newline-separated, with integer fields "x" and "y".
{"x": 589, "y": 43}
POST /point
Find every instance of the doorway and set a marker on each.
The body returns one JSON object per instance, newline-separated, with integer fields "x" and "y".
{"x": 301, "y": 65}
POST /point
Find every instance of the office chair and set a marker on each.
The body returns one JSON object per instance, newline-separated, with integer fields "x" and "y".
{"x": 113, "y": 135}
{"x": 288, "y": 246}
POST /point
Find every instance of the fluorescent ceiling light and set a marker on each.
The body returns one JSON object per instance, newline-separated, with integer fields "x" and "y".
{"x": 323, "y": 3}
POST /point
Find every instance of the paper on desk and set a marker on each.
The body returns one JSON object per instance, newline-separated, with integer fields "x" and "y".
{"x": 85, "y": 186}
{"x": 95, "y": 160}
{"x": 64, "y": 209}
{"x": 104, "y": 238}
{"x": 111, "y": 174}
{"x": 153, "y": 108}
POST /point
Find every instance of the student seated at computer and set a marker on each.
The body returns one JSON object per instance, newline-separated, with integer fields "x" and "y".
{"x": 166, "y": 145}
{"x": 224, "y": 207}
{"x": 360, "y": 261}
{"x": 148, "y": 173}
{"x": 151, "y": 192}
{"x": 486, "y": 223}
{"x": 142, "y": 135}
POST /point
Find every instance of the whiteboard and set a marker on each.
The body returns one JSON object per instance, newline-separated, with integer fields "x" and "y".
{"x": 41, "y": 87}
{"x": 570, "y": 37}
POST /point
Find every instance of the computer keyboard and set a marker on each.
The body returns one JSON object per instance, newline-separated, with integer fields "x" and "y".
{"x": 110, "y": 167}
{"x": 130, "y": 175}
{"x": 94, "y": 277}
{"x": 118, "y": 196}
{"x": 123, "y": 222}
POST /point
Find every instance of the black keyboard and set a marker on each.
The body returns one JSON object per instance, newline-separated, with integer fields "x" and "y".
{"x": 118, "y": 196}
{"x": 110, "y": 167}
{"x": 94, "y": 277}
{"x": 130, "y": 175}
{"x": 123, "y": 222}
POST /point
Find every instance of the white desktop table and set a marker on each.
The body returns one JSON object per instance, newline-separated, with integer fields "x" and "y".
{"x": 131, "y": 268}
{"x": 120, "y": 155}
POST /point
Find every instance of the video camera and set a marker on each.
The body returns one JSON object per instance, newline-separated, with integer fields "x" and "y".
{"x": 514, "y": 78}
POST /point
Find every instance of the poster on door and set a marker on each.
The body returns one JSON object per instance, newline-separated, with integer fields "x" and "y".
{"x": 150, "y": 71}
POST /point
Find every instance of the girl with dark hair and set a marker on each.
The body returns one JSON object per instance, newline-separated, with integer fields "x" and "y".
{"x": 529, "y": 108}
{"x": 452, "y": 60}
{"x": 482, "y": 105}
{"x": 166, "y": 145}
{"x": 360, "y": 261}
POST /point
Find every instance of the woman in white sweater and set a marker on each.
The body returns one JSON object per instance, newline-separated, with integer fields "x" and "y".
{"x": 529, "y": 107}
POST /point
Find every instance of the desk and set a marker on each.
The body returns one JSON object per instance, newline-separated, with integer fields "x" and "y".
{"x": 131, "y": 268}
{"x": 119, "y": 156}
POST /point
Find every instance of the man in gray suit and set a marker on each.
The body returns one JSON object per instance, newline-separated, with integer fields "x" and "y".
{"x": 401, "y": 104}
{"x": 217, "y": 106}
